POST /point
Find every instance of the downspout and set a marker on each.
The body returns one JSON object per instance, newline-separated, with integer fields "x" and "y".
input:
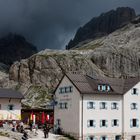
{"x": 82, "y": 118}
{"x": 123, "y": 117}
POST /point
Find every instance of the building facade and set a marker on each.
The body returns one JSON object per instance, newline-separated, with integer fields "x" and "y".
{"x": 98, "y": 109}
{"x": 10, "y": 104}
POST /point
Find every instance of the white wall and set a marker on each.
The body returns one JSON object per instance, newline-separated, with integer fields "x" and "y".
{"x": 5, "y": 114}
{"x": 130, "y": 114}
{"x": 98, "y": 114}
{"x": 69, "y": 117}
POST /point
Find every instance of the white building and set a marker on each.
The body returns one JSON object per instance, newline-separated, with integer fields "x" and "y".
{"x": 10, "y": 104}
{"x": 98, "y": 109}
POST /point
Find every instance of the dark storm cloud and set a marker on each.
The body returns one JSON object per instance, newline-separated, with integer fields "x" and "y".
{"x": 51, "y": 23}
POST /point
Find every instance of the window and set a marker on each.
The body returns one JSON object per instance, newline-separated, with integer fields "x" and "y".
{"x": 60, "y": 105}
{"x": 65, "y": 89}
{"x": 108, "y": 88}
{"x": 71, "y": 89}
{"x": 90, "y": 105}
{"x": 115, "y": 122}
{"x": 134, "y": 91}
{"x": 10, "y": 107}
{"x": 103, "y": 88}
{"x": 114, "y": 105}
{"x": 118, "y": 137}
{"x": 91, "y": 123}
{"x": 68, "y": 89}
{"x": 134, "y": 123}
{"x": 58, "y": 121}
{"x": 103, "y": 105}
{"x": 62, "y": 90}
{"x": 63, "y": 105}
{"x": 134, "y": 106}
{"x": 133, "y": 138}
{"x": 99, "y": 87}
{"x": 91, "y": 138}
{"x": 103, "y": 138}
{"x": 103, "y": 123}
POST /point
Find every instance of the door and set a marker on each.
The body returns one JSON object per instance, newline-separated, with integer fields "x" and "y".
{"x": 118, "y": 137}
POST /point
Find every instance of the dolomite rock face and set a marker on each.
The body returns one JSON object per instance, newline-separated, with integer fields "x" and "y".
{"x": 118, "y": 56}
{"x": 47, "y": 69}
{"x": 38, "y": 76}
{"x": 103, "y": 25}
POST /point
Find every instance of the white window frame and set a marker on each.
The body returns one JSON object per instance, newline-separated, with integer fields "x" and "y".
{"x": 104, "y": 88}
{"x": 134, "y": 106}
{"x": 63, "y": 105}
{"x": 93, "y": 138}
{"x": 114, "y": 107}
{"x": 68, "y": 89}
{"x": 13, "y": 107}
{"x": 113, "y": 123}
{"x": 101, "y": 105}
{"x": 88, "y": 123}
{"x": 101, "y": 138}
{"x": 58, "y": 122}
{"x": 132, "y": 91}
{"x": 131, "y": 123}
{"x": 108, "y": 88}
{"x": 89, "y": 106}
{"x": 101, "y": 123}
{"x": 99, "y": 87}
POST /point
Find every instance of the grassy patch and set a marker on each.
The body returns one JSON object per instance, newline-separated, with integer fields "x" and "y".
{"x": 17, "y": 87}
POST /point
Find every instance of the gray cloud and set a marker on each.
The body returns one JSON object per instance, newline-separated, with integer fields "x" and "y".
{"x": 52, "y": 23}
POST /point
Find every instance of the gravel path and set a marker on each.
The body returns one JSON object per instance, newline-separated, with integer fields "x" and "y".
{"x": 4, "y": 138}
{"x": 40, "y": 136}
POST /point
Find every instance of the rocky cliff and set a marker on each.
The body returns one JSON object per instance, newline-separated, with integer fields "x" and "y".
{"x": 114, "y": 55}
{"x": 103, "y": 25}
{"x": 38, "y": 76}
{"x": 14, "y": 47}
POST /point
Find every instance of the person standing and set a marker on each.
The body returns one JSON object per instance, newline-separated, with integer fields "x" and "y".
{"x": 31, "y": 125}
{"x": 45, "y": 130}
{"x": 25, "y": 136}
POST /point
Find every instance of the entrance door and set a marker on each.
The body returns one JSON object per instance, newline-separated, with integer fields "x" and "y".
{"x": 133, "y": 138}
{"x": 118, "y": 137}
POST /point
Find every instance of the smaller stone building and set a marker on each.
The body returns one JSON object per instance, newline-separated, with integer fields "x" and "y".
{"x": 10, "y": 104}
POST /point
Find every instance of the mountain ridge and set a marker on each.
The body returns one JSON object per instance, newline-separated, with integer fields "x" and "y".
{"x": 103, "y": 25}
{"x": 14, "y": 47}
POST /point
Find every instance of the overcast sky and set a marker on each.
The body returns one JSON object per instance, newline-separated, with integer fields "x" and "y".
{"x": 52, "y": 23}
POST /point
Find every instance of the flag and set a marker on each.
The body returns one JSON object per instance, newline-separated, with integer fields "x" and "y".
{"x": 47, "y": 117}
{"x": 34, "y": 119}
{"x": 31, "y": 116}
{"x": 43, "y": 118}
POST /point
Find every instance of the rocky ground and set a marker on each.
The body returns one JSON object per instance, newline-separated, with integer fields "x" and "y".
{"x": 7, "y": 134}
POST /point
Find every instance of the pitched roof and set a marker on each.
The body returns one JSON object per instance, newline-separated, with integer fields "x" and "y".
{"x": 88, "y": 85}
{"x": 9, "y": 93}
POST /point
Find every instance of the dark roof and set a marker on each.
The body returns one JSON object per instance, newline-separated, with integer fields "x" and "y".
{"x": 86, "y": 84}
{"x": 10, "y": 93}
